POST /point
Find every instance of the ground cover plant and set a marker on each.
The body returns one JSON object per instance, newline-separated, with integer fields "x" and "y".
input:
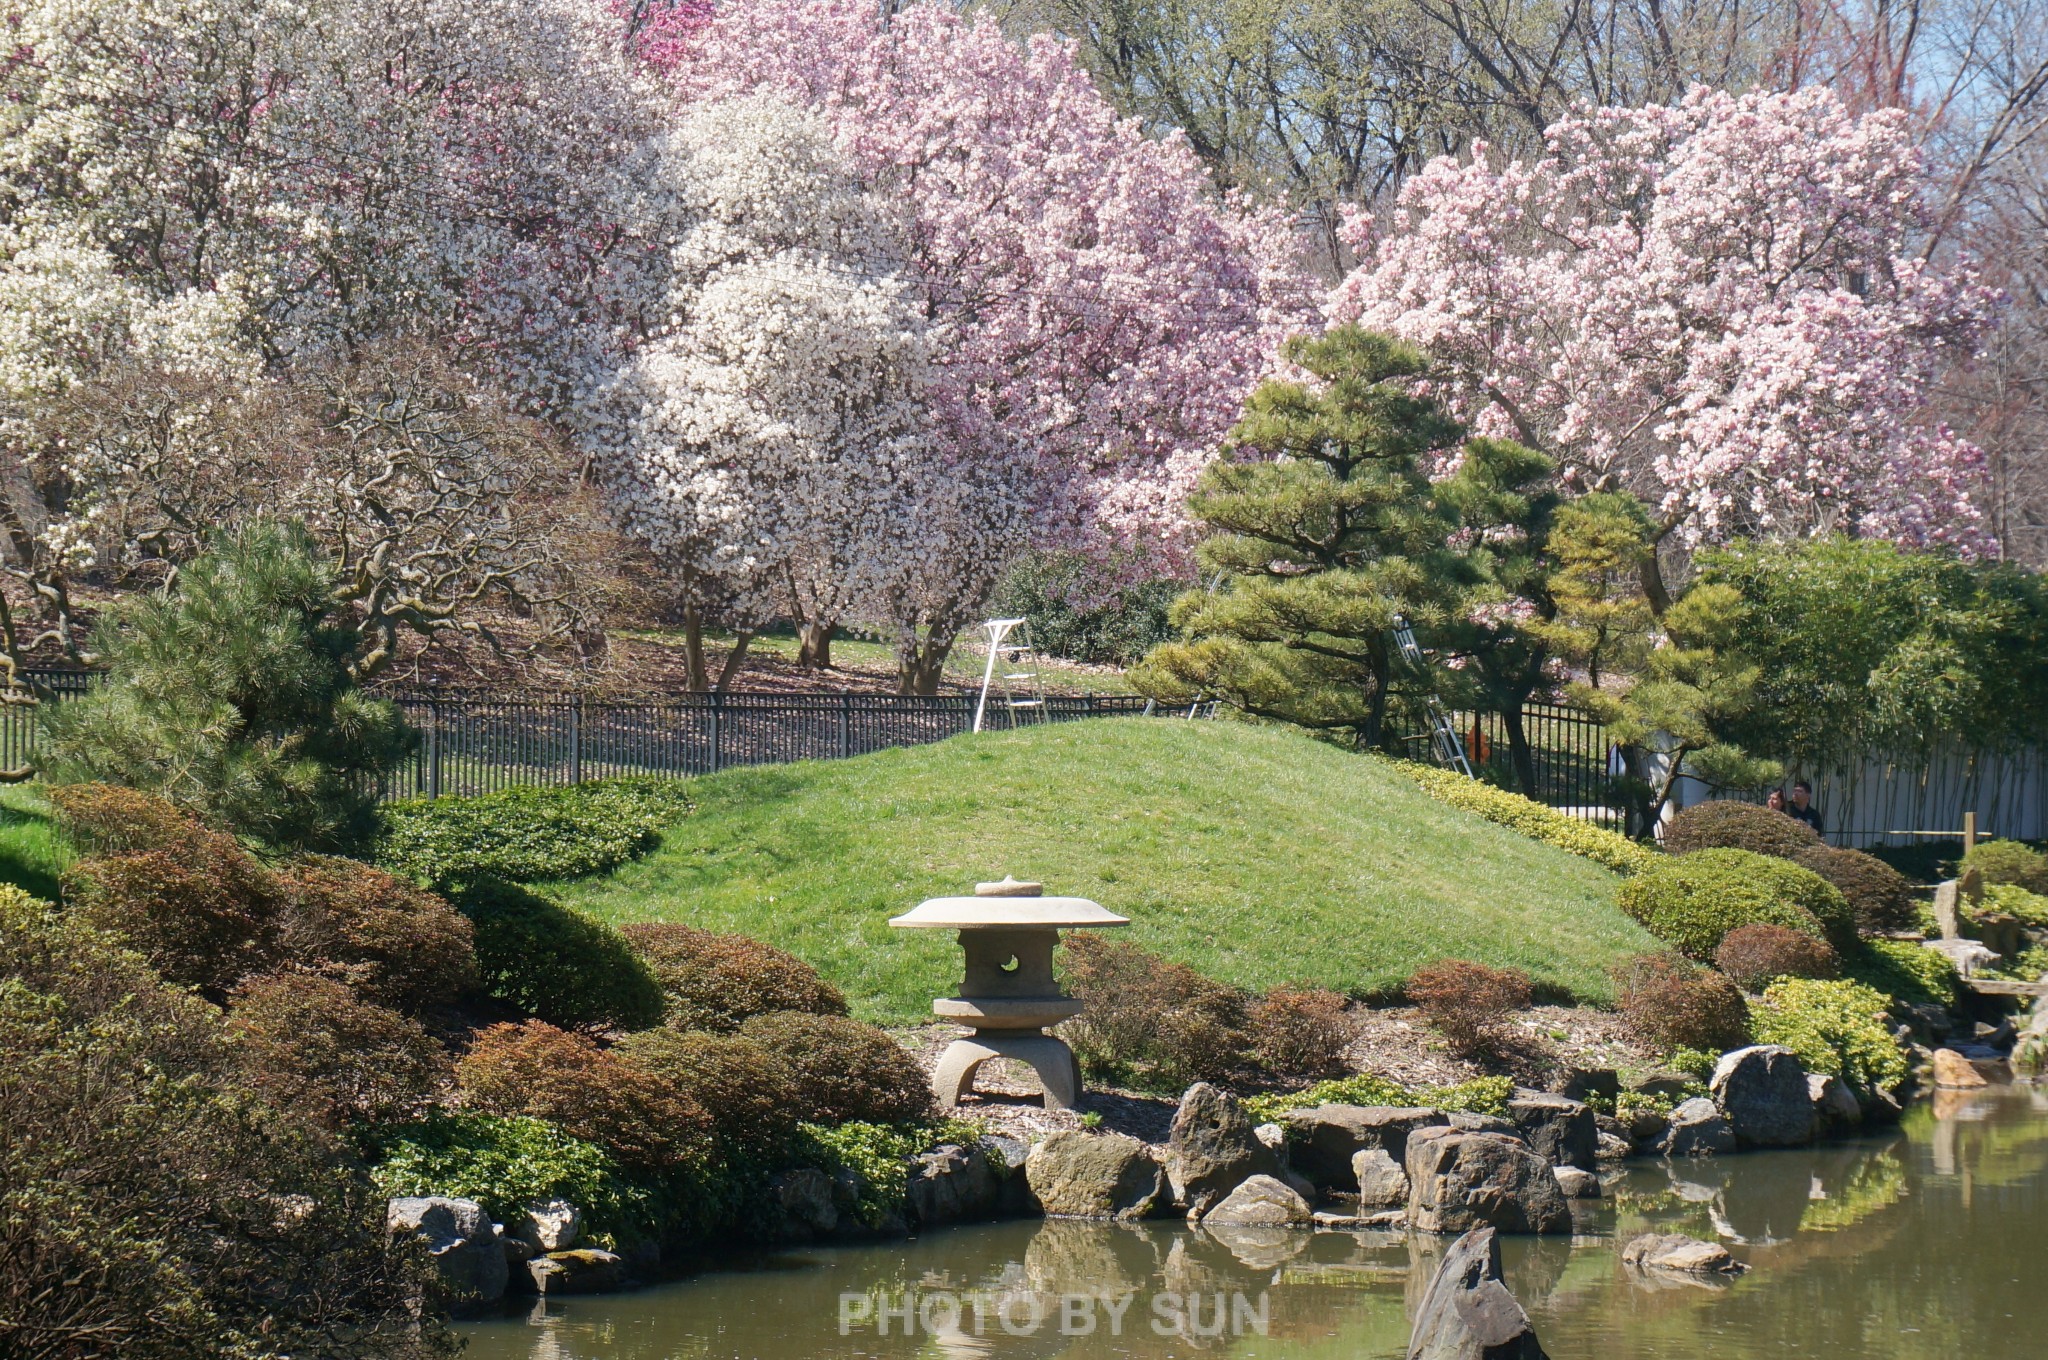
{"x": 523, "y": 834}
{"x": 1531, "y": 818}
{"x": 1841, "y": 1028}
{"x": 1257, "y": 856}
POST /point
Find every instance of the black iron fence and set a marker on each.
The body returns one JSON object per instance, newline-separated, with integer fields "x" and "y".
{"x": 1569, "y": 752}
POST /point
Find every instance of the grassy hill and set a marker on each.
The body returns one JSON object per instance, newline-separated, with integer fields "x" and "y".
{"x": 1257, "y": 855}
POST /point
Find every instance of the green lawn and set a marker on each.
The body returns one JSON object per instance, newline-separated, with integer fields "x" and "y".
{"x": 1257, "y": 855}
{"x": 33, "y": 852}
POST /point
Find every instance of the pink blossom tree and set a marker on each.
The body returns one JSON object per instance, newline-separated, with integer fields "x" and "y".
{"x": 1713, "y": 305}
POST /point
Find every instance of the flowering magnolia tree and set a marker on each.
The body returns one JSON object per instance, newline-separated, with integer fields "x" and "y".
{"x": 1712, "y": 305}
{"x": 1094, "y": 314}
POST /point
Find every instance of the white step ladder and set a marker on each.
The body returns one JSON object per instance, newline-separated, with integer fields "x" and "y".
{"x": 1444, "y": 741}
{"x": 1011, "y": 673}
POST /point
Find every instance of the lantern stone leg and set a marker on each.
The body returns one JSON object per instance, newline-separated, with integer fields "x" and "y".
{"x": 1048, "y": 1056}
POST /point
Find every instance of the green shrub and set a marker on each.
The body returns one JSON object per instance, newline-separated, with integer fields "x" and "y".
{"x": 878, "y": 1154}
{"x": 541, "y": 1072}
{"x": 753, "y": 1103}
{"x": 1469, "y": 1003}
{"x": 1839, "y": 1028}
{"x": 1755, "y": 956}
{"x": 1691, "y": 901}
{"x": 2029, "y": 965}
{"x": 1904, "y": 971}
{"x": 843, "y": 1069}
{"x": 1722, "y": 824}
{"x": 506, "y": 1163}
{"x": 390, "y": 941}
{"x": 1697, "y": 1063}
{"x": 1078, "y": 608}
{"x": 1531, "y": 818}
{"x": 2028, "y": 908}
{"x": 2009, "y": 862}
{"x": 1481, "y": 1095}
{"x": 712, "y": 981}
{"x": 522, "y": 835}
{"x": 1879, "y": 894}
{"x": 1675, "y": 1004}
{"x": 1152, "y": 1023}
{"x": 554, "y": 962}
{"x": 313, "y": 1047}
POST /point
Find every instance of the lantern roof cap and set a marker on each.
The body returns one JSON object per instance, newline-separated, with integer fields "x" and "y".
{"x": 1007, "y": 905}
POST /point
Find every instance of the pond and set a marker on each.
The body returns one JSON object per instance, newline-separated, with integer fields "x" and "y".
{"x": 1930, "y": 1240}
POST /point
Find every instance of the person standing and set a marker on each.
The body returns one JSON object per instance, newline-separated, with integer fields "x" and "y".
{"x": 1801, "y": 806}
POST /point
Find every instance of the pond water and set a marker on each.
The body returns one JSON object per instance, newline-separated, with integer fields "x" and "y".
{"x": 1928, "y": 1241}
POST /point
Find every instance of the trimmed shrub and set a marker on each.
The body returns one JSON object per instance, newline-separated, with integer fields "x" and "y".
{"x": 1531, "y": 818}
{"x": 1840, "y": 1028}
{"x": 843, "y": 1069}
{"x": 506, "y": 1163}
{"x": 2009, "y": 862}
{"x": 712, "y": 981}
{"x": 1879, "y": 894}
{"x": 1155, "y": 1024}
{"x": 1300, "y": 1031}
{"x": 536, "y": 1070}
{"x": 1469, "y": 1003}
{"x": 1692, "y": 901}
{"x": 1723, "y": 824}
{"x": 1754, "y": 956}
{"x": 554, "y": 962}
{"x": 203, "y": 912}
{"x": 107, "y": 819}
{"x": 2028, "y": 908}
{"x": 753, "y": 1103}
{"x": 313, "y": 1047}
{"x": 390, "y": 941}
{"x": 526, "y": 834}
{"x": 1481, "y": 1095}
{"x": 1904, "y": 971}
{"x": 1674, "y": 1004}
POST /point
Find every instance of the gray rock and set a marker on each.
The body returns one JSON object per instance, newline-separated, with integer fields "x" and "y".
{"x": 952, "y": 1184}
{"x": 585, "y": 1270}
{"x": 804, "y": 1203}
{"x": 1663, "y": 1082}
{"x": 1322, "y": 1141}
{"x": 1262, "y": 1202}
{"x": 1011, "y": 1150}
{"x": 1761, "y": 1091}
{"x": 1470, "y": 1122}
{"x": 1835, "y": 1107}
{"x": 1458, "y": 1181}
{"x": 1613, "y": 1149}
{"x": 550, "y": 1225}
{"x": 1675, "y": 1252}
{"x": 1697, "y": 1129}
{"x": 1075, "y": 1174}
{"x": 1582, "y": 1082}
{"x": 1577, "y": 1184}
{"x": 1211, "y": 1148}
{"x": 464, "y": 1245}
{"x": 1273, "y": 1138}
{"x": 1467, "y": 1312}
{"x": 1382, "y": 1183}
{"x": 1555, "y": 1127}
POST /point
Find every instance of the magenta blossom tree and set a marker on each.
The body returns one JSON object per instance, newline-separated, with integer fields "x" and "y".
{"x": 1714, "y": 305}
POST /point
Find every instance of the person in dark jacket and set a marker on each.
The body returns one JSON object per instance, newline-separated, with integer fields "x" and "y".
{"x": 1801, "y": 806}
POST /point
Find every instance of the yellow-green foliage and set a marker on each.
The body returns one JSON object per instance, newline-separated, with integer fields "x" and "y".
{"x": 1481, "y": 1095}
{"x": 1840, "y": 1028}
{"x": 1904, "y": 971}
{"x": 1693, "y": 901}
{"x": 1531, "y": 818}
{"x": 2030, "y": 908}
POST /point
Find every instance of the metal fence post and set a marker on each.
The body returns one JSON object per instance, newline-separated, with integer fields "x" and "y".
{"x": 433, "y": 748}
{"x": 717, "y": 706}
{"x": 576, "y": 740}
{"x": 845, "y": 726}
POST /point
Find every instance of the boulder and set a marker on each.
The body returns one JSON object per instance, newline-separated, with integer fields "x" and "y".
{"x": 1261, "y": 1202}
{"x": 1613, "y": 1148}
{"x": 1696, "y": 1129}
{"x": 1467, "y": 1312}
{"x": 1458, "y": 1181}
{"x": 549, "y": 1225}
{"x": 1212, "y": 1148}
{"x": 1472, "y": 1122}
{"x": 1662, "y": 1082}
{"x": 1382, "y": 1183}
{"x": 1581, "y": 1082}
{"x": 585, "y": 1270}
{"x": 1675, "y": 1252}
{"x": 1954, "y": 1072}
{"x": 1835, "y": 1107}
{"x": 2030, "y": 1054}
{"x": 1577, "y": 1184}
{"x": 1273, "y": 1138}
{"x": 1555, "y": 1127}
{"x": 1076, "y": 1174}
{"x": 1761, "y": 1091}
{"x": 1322, "y": 1141}
{"x": 952, "y": 1184}
{"x": 1968, "y": 956}
{"x": 462, "y": 1242}
{"x": 804, "y": 1204}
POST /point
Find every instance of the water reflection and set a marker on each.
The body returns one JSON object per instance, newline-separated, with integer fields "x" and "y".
{"x": 1928, "y": 1241}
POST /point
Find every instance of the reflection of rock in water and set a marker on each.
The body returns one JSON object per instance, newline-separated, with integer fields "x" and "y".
{"x": 1536, "y": 1265}
{"x": 1260, "y": 1247}
{"x": 1070, "y": 1257}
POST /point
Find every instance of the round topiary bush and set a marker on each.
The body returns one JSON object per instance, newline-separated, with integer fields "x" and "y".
{"x": 567, "y": 968}
{"x": 312, "y": 1046}
{"x": 713, "y": 981}
{"x": 843, "y": 1069}
{"x": 202, "y": 911}
{"x": 1692, "y": 901}
{"x": 754, "y": 1104}
{"x": 542, "y": 1072}
{"x": 1723, "y": 824}
{"x": 1675, "y": 1004}
{"x": 394, "y": 943}
{"x": 1879, "y": 894}
{"x": 1754, "y": 956}
{"x": 2009, "y": 862}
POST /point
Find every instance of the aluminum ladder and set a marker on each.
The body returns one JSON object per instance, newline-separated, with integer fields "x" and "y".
{"x": 1011, "y": 659}
{"x": 1444, "y": 741}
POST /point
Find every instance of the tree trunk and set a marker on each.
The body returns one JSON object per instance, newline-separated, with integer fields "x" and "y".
{"x": 734, "y": 659}
{"x": 1523, "y": 758}
{"x": 920, "y": 665}
{"x": 696, "y": 676}
{"x": 814, "y": 645}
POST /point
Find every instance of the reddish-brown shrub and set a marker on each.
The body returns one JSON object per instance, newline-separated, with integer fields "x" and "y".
{"x": 752, "y": 1101}
{"x": 535, "y": 1069}
{"x": 1148, "y": 1021}
{"x": 1673, "y": 1003}
{"x": 201, "y": 910}
{"x": 107, "y": 819}
{"x": 1879, "y": 894}
{"x": 1754, "y": 956}
{"x": 396, "y": 944}
{"x": 1300, "y": 1031}
{"x": 843, "y": 1069}
{"x": 1469, "y": 1003}
{"x": 317, "y": 1051}
{"x": 717, "y": 981}
{"x": 1722, "y": 824}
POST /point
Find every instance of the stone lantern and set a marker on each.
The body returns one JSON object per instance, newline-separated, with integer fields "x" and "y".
{"x": 1008, "y": 931}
